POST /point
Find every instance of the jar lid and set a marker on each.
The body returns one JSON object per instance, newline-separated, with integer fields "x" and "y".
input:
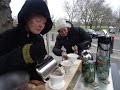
{"x": 104, "y": 40}
{"x": 89, "y": 62}
{"x": 103, "y": 58}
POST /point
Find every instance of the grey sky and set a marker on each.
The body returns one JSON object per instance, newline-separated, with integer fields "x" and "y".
{"x": 55, "y": 6}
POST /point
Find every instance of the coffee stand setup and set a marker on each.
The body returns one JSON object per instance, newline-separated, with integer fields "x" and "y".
{"x": 88, "y": 74}
{"x": 83, "y": 73}
{"x": 75, "y": 81}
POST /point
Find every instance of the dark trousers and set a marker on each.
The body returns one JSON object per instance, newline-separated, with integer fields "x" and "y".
{"x": 14, "y": 80}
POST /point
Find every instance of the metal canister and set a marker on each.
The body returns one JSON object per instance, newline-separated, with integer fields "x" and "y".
{"x": 89, "y": 73}
{"x": 85, "y": 56}
{"x": 103, "y": 48}
{"x": 102, "y": 67}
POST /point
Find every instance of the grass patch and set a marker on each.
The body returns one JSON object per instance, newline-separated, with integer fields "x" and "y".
{"x": 93, "y": 27}
{"x": 97, "y": 29}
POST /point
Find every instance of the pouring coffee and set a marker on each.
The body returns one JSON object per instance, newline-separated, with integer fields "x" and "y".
{"x": 47, "y": 67}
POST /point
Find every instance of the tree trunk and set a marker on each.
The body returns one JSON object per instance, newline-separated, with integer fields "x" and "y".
{"x": 90, "y": 25}
{"x": 100, "y": 25}
{"x": 96, "y": 24}
{"x": 6, "y": 21}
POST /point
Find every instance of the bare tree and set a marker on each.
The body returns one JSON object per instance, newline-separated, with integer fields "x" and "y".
{"x": 83, "y": 14}
{"x": 53, "y": 20}
{"x": 117, "y": 19}
{"x": 96, "y": 12}
{"x": 91, "y": 12}
{"x": 71, "y": 9}
{"x": 107, "y": 17}
{"x": 5, "y": 15}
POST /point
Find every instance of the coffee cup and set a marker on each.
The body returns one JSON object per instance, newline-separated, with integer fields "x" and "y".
{"x": 72, "y": 57}
{"x": 56, "y": 78}
{"x": 67, "y": 66}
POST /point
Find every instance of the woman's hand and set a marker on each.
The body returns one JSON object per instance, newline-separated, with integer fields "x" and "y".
{"x": 75, "y": 49}
{"x": 64, "y": 55}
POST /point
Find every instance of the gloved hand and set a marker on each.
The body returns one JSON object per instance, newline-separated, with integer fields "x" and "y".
{"x": 75, "y": 49}
{"x": 34, "y": 52}
{"x": 38, "y": 51}
{"x": 64, "y": 55}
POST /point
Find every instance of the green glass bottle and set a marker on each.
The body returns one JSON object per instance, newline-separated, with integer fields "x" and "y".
{"x": 89, "y": 73}
{"x": 103, "y": 67}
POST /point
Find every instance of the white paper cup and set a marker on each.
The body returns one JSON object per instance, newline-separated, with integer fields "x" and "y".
{"x": 54, "y": 79}
{"x": 72, "y": 57}
{"x": 67, "y": 66}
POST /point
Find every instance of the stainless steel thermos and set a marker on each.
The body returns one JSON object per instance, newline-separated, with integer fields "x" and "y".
{"x": 103, "y": 57}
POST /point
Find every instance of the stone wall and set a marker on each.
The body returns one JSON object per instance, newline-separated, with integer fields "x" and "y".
{"x": 6, "y": 21}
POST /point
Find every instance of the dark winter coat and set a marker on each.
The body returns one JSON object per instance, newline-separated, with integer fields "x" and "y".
{"x": 12, "y": 41}
{"x": 76, "y": 36}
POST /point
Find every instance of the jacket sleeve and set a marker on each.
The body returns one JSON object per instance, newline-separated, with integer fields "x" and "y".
{"x": 57, "y": 48}
{"x": 14, "y": 59}
{"x": 84, "y": 37}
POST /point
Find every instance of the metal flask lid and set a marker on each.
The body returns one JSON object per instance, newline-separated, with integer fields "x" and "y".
{"x": 45, "y": 69}
{"x": 87, "y": 55}
{"x": 104, "y": 39}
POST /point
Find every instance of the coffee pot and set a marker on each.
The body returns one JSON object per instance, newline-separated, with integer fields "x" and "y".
{"x": 47, "y": 67}
{"x": 86, "y": 53}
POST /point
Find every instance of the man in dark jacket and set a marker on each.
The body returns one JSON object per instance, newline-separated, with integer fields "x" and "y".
{"x": 70, "y": 39}
{"x": 22, "y": 47}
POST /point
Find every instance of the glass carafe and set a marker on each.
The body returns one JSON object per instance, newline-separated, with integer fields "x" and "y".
{"x": 89, "y": 73}
{"x": 103, "y": 65}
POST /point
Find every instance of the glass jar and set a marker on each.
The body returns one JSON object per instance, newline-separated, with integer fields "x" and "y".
{"x": 89, "y": 71}
{"x": 102, "y": 67}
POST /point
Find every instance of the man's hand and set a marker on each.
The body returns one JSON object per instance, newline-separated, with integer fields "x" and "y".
{"x": 75, "y": 49}
{"x": 64, "y": 55}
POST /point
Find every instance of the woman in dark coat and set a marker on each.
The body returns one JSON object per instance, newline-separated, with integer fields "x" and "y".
{"x": 69, "y": 37}
{"x": 22, "y": 47}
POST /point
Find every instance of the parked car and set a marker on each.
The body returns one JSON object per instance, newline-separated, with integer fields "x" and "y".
{"x": 106, "y": 33}
{"x": 112, "y": 29}
{"x": 98, "y": 33}
{"x": 92, "y": 33}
